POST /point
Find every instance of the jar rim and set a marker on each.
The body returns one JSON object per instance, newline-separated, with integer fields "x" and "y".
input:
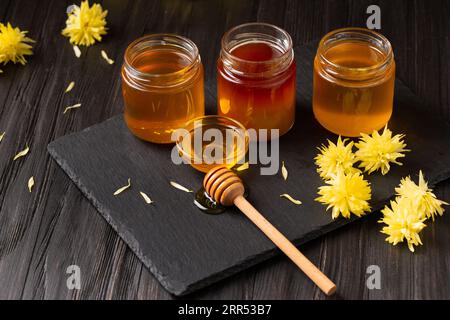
{"x": 228, "y": 51}
{"x": 162, "y": 38}
{"x": 388, "y": 56}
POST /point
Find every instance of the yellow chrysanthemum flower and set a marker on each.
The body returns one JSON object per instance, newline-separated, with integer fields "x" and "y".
{"x": 421, "y": 196}
{"x": 85, "y": 24}
{"x": 378, "y": 151}
{"x": 335, "y": 157}
{"x": 14, "y": 44}
{"x": 404, "y": 222}
{"x": 346, "y": 194}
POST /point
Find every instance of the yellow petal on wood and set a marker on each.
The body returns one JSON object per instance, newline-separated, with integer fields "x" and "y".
{"x": 70, "y": 87}
{"x": 284, "y": 171}
{"x": 1, "y": 136}
{"x": 120, "y": 190}
{"x": 180, "y": 187}
{"x": 105, "y": 56}
{"x": 72, "y": 107}
{"x": 243, "y": 167}
{"x": 30, "y": 183}
{"x": 22, "y": 153}
{"x": 146, "y": 198}
{"x": 295, "y": 201}
{"x": 77, "y": 51}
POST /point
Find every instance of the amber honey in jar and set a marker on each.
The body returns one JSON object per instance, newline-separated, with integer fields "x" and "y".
{"x": 256, "y": 77}
{"x": 354, "y": 74}
{"x": 162, "y": 86}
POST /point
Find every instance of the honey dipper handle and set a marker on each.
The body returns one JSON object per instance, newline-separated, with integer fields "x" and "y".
{"x": 321, "y": 280}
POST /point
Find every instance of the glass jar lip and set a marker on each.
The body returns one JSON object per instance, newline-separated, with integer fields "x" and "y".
{"x": 228, "y": 52}
{"x": 162, "y": 37}
{"x": 362, "y": 31}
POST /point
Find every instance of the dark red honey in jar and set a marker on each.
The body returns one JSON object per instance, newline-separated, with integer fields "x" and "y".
{"x": 256, "y": 77}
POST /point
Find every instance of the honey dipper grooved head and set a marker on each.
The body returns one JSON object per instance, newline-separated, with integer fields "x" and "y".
{"x": 223, "y": 185}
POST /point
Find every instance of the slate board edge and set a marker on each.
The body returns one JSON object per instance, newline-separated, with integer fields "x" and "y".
{"x": 124, "y": 234}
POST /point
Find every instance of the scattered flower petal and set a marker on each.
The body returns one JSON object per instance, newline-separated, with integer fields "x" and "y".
{"x": 422, "y": 197}
{"x": 22, "y": 153}
{"x": 85, "y": 24}
{"x": 284, "y": 171}
{"x": 120, "y": 190}
{"x": 346, "y": 194}
{"x": 378, "y": 151}
{"x": 287, "y": 196}
{"x": 180, "y": 187}
{"x": 70, "y": 86}
{"x": 1, "y": 136}
{"x": 404, "y": 222}
{"x": 30, "y": 183}
{"x": 72, "y": 107}
{"x": 14, "y": 44}
{"x": 335, "y": 157}
{"x": 243, "y": 167}
{"x": 77, "y": 51}
{"x": 105, "y": 56}
{"x": 146, "y": 198}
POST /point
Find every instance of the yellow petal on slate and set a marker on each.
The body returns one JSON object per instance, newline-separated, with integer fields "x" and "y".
{"x": 72, "y": 107}
{"x": 77, "y": 51}
{"x": 146, "y": 198}
{"x": 22, "y": 153}
{"x": 243, "y": 167}
{"x": 30, "y": 183}
{"x": 120, "y": 190}
{"x": 295, "y": 201}
{"x": 284, "y": 171}
{"x": 70, "y": 87}
{"x": 180, "y": 187}
{"x": 105, "y": 56}
{"x": 1, "y": 136}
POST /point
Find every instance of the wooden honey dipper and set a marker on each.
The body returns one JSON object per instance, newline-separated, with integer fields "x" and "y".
{"x": 225, "y": 187}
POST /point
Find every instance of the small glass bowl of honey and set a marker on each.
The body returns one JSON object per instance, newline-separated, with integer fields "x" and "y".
{"x": 209, "y": 141}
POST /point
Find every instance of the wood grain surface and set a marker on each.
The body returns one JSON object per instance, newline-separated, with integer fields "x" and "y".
{"x": 43, "y": 232}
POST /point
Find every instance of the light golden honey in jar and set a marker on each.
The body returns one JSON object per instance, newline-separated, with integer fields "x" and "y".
{"x": 256, "y": 77}
{"x": 354, "y": 74}
{"x": 162, "y": 86}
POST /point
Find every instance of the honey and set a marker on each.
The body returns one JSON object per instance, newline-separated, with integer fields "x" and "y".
{"x": 162, "y": 86}
{"x": 210, "y": 141}
{"x": 354, "y": 75}
{"x": 256, "y": 77}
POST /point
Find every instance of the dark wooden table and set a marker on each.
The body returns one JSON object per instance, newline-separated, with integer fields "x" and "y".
{"x": 43, "y": 232}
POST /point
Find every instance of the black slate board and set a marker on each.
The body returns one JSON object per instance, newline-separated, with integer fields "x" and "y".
{"x": 186, "y": 249}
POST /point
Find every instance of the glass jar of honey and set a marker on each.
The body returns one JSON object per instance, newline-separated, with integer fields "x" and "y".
{"x": 256, "y": 77}
{"x": 354, "y": 74}
{"x": 162, "y": 86}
